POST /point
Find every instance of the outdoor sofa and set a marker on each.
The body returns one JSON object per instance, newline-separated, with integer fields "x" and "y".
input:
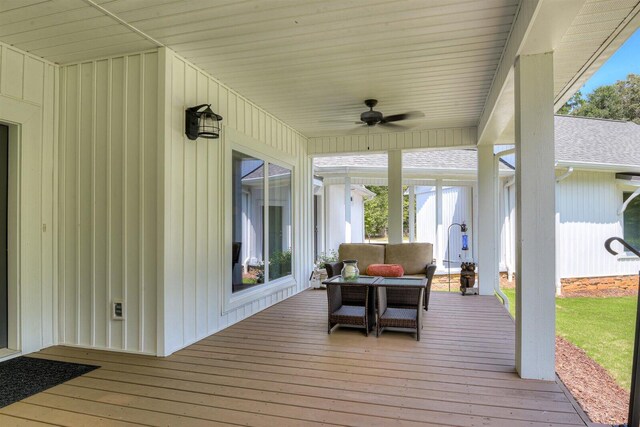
{"x": 416, "y": 260}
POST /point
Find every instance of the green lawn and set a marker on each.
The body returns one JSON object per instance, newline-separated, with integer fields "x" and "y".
{"x": 603, "y": 327}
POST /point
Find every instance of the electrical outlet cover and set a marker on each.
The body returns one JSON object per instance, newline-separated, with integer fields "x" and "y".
{"x": 117, "y": 310}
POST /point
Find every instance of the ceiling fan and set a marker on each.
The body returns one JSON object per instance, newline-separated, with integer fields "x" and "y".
{"x": 372, "y": 117}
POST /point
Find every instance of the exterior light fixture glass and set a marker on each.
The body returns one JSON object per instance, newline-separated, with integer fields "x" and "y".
{"x": 203, "y": 124}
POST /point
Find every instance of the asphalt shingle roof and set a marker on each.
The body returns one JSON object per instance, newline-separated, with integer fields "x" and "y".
{"x": 582, "y": 139}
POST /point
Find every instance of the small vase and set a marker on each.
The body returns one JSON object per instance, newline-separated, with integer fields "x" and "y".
{"x": 350, "y": 270}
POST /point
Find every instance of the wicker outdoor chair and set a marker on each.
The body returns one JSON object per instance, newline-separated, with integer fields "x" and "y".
{"x": 431, "y": 269}
{"x": 339, "y": 313}
{"x": 410, "y": 318}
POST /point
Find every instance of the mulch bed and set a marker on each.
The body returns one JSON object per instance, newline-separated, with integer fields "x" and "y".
{"x": 603, "y": 400}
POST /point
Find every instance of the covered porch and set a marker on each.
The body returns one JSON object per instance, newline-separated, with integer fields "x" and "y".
{"x": 123, "y": 234}
{"x": 279, "y": 367}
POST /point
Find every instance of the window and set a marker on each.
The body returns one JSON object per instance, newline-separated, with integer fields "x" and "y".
{"x": 632, "y": 220}
{"x": 261, "y": 222}
{"x": 279, "y": 228}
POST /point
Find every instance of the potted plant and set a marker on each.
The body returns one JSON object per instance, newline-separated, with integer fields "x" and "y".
{"x": 319, "y": 272}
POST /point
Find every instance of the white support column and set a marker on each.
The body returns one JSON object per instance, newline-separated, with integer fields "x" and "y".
{"x": 474, "y": 223}
{"x": 347, "y": 210}
{"x": 412, "y": 213}
{"x": 535, "y": 217}
{"x": 440, "y": 250}
{"x": 395, "y": 195}
{"x": 487, "y": 221}
{"x": 322, "y": 233}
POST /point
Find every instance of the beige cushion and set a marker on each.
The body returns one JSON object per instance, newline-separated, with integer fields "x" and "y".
{"x": 413, "y": 257}
{"x": 364, "y": 253}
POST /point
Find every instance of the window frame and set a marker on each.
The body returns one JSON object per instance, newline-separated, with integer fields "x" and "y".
{"x": 235, "y": 141}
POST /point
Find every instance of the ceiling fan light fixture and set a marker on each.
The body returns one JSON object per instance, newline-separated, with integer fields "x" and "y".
{"x": 372, "y": 118}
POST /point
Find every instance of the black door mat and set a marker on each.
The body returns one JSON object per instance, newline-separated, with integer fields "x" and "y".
{"x": 25, "y": 376}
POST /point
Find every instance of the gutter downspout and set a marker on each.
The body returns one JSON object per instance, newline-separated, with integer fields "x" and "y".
{"x": 558, "y": 278}
{"x": 565, "y": 175}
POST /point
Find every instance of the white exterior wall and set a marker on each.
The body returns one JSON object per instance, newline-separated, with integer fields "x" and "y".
{"x": 108, "y": 202}
{"x": 28, "y": 92}
{"x": 588, "y": 205}
{"x": 196, "y": 300}
{"x": 357, "y": 218}
{"x": 334, "y": 216}
{"x": 456, "y": 208}
{"x": 426, "y": 215}
{"x": 142, "y": 209}
{"x": 334, "y": 223}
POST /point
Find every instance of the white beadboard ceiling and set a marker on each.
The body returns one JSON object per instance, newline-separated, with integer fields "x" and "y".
{"x": 312, "y": 63}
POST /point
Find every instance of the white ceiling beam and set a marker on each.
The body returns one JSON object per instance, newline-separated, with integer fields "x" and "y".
{"x": 538, "y": 28}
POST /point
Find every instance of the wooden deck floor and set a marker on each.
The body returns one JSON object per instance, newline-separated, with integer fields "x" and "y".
{"x": 280, "y": 368}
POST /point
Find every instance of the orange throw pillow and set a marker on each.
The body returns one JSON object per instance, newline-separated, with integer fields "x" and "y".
{"x": 385, "y": 270}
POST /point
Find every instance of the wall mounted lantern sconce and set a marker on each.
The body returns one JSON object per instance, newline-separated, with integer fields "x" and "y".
{"x": 204, "y": 124}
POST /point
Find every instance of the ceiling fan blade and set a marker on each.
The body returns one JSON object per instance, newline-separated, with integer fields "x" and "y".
{"x": 406, "y": 116}
{"x": 393, "y": 126}
{"x": 357, "y": 129}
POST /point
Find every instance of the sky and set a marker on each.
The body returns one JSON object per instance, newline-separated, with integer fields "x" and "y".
{"x": 625, "y": 61}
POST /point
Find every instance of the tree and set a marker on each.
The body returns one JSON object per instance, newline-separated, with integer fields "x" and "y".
{"x": 604, "y": 102}
{"x": 405, "y": 211}
{"x": 619, "y": 101}
{"x": 376, "y": 212}
{"x": 576, "y": 101}
{"x": 630, "y": 93}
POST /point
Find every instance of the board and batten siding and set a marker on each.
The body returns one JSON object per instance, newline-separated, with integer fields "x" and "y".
{"x": 195, "y": 224}
{"x": 28, "y": 89}
{"x": 456, "y": 208}
{"x": 410, "y": 140}
{"x": 108, "y": 184}
{"x": 588, "y": 203}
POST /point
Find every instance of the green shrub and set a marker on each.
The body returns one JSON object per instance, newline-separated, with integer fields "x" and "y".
{"x": 279, "y": 264}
